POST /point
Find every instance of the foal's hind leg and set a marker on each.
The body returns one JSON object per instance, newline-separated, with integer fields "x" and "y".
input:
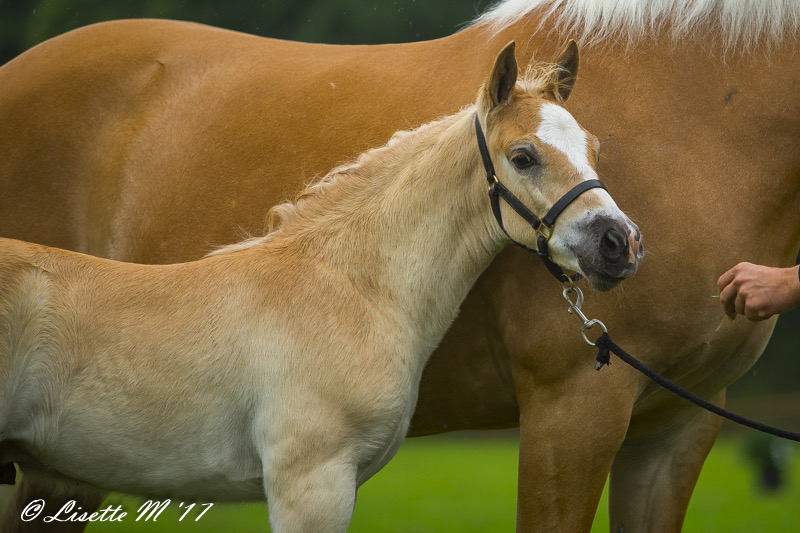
{"x": 655, "y": 471}
{"x": 54, "y": 495}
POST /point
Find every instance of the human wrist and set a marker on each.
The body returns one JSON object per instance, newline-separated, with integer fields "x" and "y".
{"x": 796, "y": 286}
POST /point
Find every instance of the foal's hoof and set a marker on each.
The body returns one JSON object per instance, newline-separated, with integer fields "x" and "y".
{"x": 8, "y": 474}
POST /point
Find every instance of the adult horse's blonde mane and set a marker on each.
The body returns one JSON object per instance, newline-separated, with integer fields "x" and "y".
{"x": 317, "y": 202}
{"x": 737, "y": 23}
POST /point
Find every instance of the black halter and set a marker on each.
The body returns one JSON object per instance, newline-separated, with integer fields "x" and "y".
{"x": 544, "y": 227}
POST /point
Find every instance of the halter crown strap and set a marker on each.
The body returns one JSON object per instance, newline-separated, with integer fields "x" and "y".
{"x": 487, "y": 159}
{"x": 497, "y": 191}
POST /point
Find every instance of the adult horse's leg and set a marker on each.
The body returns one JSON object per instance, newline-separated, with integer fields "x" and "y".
{"x": 653, "y": 475}
{"x": 569, "y": 433}
{"x": 6, "y": 496}
{"x": 467, "y": 383}
{"x": 658, "y": 465}
{"x": 572, "y": 418}
{"x": 54, "y": 496}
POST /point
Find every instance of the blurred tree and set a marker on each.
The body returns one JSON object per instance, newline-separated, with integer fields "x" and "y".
{"x": 12, "y": 27}
{"x": 371, "y": 21}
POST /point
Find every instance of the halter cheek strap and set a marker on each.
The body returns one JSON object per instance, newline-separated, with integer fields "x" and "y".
{"x": 544, "y": 227}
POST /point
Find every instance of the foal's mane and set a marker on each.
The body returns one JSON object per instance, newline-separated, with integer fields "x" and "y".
{"x": 739, "y": 24}
{"x": 368, "y": 168}
{"x": 372, "y": 169}
{"x": 343, "y": 184}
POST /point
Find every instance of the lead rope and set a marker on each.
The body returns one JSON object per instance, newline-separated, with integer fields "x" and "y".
{"x": 605, "y": 346}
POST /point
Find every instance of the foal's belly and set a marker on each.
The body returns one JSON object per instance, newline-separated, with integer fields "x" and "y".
{"x": 193, "y": 484}
{"x": 187, "y": 453}
{"x": 151, "y": 471}
{"x": 207, "y": 456}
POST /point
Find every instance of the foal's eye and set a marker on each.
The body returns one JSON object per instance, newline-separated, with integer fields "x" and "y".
{"x": 523, "y": 160}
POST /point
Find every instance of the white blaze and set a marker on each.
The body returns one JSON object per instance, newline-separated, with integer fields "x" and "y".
{"x": 561, "y": 131}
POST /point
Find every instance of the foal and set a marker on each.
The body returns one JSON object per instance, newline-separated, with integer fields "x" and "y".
{"x": 288, "y": 365}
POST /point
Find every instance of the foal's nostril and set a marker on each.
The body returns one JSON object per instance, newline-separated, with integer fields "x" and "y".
{"x": 613, "y": 244}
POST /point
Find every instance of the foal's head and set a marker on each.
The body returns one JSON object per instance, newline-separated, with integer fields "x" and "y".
{"x": 539, "y": 153}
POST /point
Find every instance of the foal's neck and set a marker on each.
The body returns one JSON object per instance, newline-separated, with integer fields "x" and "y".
{"x": 410, "y": 225}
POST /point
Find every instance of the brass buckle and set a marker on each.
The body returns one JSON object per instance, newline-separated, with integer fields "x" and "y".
{"x": 545, "y": 231}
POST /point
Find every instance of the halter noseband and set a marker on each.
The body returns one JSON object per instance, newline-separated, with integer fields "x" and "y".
{"x": 544, "y": 227}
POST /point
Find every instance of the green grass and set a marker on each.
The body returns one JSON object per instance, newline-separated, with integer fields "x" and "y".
{"x": 461, "y": 484}
{"x": 727, "y": 498}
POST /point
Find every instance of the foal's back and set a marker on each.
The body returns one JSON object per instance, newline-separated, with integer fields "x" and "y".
{"x": 185, "y": 319}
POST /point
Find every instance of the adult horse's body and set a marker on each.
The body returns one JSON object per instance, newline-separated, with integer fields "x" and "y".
{"x": 153, "y": 141}
{"x": 289, "y": 364}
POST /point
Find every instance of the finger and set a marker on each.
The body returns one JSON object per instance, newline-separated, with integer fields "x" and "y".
{"x": 750, "y": 313}
{"x": 741, "y": 303}
{"x": 727, "y": 297}
{"x": 756, "y": 315}
{"x": 758, "y": 310}
{"x": 725, "y": 279}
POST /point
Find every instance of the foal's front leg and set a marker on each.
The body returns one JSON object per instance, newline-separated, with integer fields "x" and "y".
{"x": 309, "y": 466}
{"x": 305, "y": 494}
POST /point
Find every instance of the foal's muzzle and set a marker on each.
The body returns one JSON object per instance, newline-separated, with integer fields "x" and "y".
{"x": 613, "y": 254}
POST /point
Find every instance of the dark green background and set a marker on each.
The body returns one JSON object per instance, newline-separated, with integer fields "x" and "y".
{"x": 24, "y": 23}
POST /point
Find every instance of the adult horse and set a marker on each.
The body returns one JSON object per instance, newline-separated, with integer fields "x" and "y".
{"x": 152, "y": 141}
{"x": 203, "y": 380}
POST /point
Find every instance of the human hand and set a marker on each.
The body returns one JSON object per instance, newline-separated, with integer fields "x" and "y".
{"x": 757, "y": 291}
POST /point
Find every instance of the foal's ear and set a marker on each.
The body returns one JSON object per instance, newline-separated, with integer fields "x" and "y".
{"x": 566, "y": 73}
{"x": 501, "y": 83}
